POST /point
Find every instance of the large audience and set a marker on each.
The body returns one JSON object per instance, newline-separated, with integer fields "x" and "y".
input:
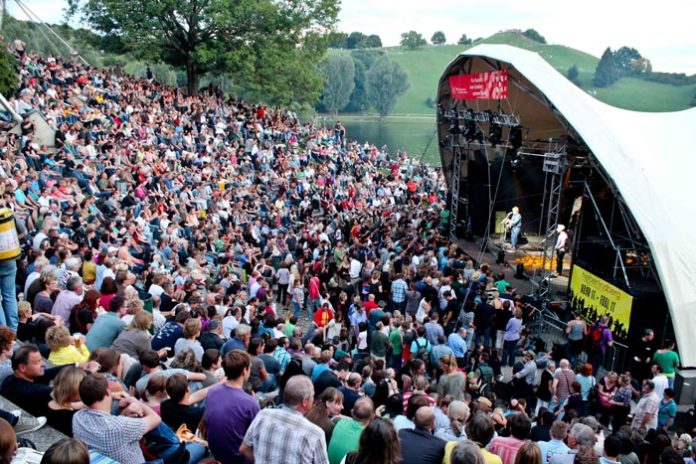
{"x": 214, "y": 281}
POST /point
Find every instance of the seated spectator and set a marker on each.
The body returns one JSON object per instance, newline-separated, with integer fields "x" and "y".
{"x": 327, "y": 408}
{"x": 467, "y": 452}
{"x": 346, "y": 434}
{"x": 507, "y": 447}
{"x": 150, "y": 363}
{"x": 559, "y": 432}
{"x": 182, "y": 407}
{"x": 378, "y": 443}
{"x": 64, "y": 348}
{"x": 136, "y": 338}
{"x": 117, "y": 437}
{"x": 65, "y": 399}
{"x": 212, "y": 339}
{"x": 107, "y": 326}
{"x": 285, "y": 435}
{"x": 192, "y": 330}
{"x": 418, "y": 445}
{"x": 234, "y": 410}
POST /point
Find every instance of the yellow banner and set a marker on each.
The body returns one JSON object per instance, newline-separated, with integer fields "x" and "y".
{"x": 596, "y": 297}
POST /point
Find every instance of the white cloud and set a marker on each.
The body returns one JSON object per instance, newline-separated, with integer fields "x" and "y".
{"x": 661, "y": 31}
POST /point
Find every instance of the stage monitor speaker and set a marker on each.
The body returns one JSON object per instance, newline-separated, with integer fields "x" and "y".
{"x": 520, "y": 272}
{"x": 685, "y": 387}
{"x": 499, "y": 217}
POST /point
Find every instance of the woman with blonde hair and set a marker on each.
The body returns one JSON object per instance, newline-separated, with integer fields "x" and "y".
{"x": 458, "y": 413}
{"x": 66, "y": 399}
{"x": 452, "y": 381}
{"x": 136, "y": 339}
{"x": 65, "y": 349}
{"x": 192, "y": 330}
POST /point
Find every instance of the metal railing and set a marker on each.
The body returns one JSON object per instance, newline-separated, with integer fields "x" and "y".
{"x": 550, "y": 327}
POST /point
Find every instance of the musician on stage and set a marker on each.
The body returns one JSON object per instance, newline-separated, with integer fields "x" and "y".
{"x": 514, "y": 223}
{"x": 561, "y": 247}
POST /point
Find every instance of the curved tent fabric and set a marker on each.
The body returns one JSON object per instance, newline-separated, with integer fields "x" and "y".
{"x": 649, "y": 156}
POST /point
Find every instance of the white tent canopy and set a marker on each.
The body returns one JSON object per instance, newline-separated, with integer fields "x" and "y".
{"x": 649, "y": 157}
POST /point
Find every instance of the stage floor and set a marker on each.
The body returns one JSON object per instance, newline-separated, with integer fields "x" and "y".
{"x": 529, "y": 254}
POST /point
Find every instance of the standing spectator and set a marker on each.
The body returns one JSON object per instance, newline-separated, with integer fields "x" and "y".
{"x": 511, "y": 337}
{"x": 233, "y": 410}
{"x": 645, "y": 413}
{"x": 323, "y": 315}
{"x": 452, "y": 381}
{"x": 285, "y": 435}
{"x": 667, "y": 411}
{"x": 117, "y": 437}
{"x": 643, "y": 359}
{"x": 525, "y": 379}
{"x": 601, "y": 339}
{"x": 351, "y": 392}
{"x": 326, "y": 410}
{"x": 379, "y": 343}
{"x": 529, "y": 453}
{"x": 668, "y": 360}
{"x": 576, "y": 330}
{"x": 507, "y": 447}
{"x": 346, "y": 435}
{"x": 418, "y": 445}
{"x": 563, "y": 379}
{"x": 398, "y": 293}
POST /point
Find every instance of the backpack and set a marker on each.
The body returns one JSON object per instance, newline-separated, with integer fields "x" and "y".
{"x": 596, "y": 336}
{"x": 422, "y": 352}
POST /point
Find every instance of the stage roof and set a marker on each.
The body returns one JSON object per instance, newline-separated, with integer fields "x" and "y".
{"x": 649, "y": 156}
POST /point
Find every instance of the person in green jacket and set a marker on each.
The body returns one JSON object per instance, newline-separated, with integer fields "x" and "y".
{"x": 346, "y": 435}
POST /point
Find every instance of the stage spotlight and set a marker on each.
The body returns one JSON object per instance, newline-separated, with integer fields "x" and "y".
{"x": 515, "y": 138}
{"x": 444, "y": 143}
{"x": 469, "y": 129}
{"x": 454, "y": 129}
{"x": 495, "y": 134}
{"x": 478, "y": 136}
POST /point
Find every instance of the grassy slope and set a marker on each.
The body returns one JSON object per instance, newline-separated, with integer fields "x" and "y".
{"x": 425, "y": 66}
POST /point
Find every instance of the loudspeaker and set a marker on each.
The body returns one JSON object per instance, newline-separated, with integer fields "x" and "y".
{"x": 520, "y": 272}
{"x": 501, "y": 257}
{"x": 685, "y": 387}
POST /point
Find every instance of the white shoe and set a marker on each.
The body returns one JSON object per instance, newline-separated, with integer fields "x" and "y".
{"x": 28, "y": 424}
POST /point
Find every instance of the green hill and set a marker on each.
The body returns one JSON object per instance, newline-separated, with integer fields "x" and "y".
{"x": 425, "y": 66}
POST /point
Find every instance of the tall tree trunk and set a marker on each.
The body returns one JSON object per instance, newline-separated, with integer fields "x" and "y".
{"x": 192, "y": 77}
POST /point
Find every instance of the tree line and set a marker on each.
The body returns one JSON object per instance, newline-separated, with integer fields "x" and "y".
{"x": 361, "y": 80}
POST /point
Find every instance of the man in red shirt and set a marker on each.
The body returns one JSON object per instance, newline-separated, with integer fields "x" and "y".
{"x": 313, "y": 295}
{"x": 370, "y": 304}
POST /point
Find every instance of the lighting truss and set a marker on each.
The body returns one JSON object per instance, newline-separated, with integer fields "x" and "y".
{"x": 502, "y": 119}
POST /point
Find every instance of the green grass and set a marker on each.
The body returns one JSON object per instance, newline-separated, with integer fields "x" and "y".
{"x": 425, "y": 66}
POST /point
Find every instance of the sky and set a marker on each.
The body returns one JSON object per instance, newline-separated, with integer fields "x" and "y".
{"x": 661, "y": 31}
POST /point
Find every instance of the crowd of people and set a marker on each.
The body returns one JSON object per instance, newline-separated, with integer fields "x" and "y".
{"x": 214, "y": 280}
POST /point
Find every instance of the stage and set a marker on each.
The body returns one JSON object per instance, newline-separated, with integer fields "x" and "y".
{"x": 529, "y": 254}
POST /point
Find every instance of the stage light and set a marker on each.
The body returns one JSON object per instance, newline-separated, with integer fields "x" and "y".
{"x": 469, "y": 129}
{"x": 495, "y": 134}
{"x": 454, "y": 129}
{"x": 515, "y": 138}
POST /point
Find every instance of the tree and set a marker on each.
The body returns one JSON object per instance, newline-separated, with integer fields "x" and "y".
{"x": 8, "y": 74}
{"x": 356, "y": 40}
{"x": 337, "y": 39}
{"x": 386, "y": 81}
{"x": 623, "y": 57}
{"x": 206, "y": 35}
{"x": 534, "y": 35}
{"x": 438, "y": 38}
{"x": 464, "y": 40}
{"x": 373, "y": 41}
{"x": 358, "y": 99}
{"x": 573, "y": 75}
{"x": 412, "y": 40}
{"x": 606, "y": 73}
{"x": 338, "y": 72}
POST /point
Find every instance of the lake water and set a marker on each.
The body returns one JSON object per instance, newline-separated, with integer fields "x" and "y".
{"x": 416, "y": 136}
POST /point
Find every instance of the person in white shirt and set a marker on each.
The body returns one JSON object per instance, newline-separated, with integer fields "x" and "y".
{"x": 660, "y": 380}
